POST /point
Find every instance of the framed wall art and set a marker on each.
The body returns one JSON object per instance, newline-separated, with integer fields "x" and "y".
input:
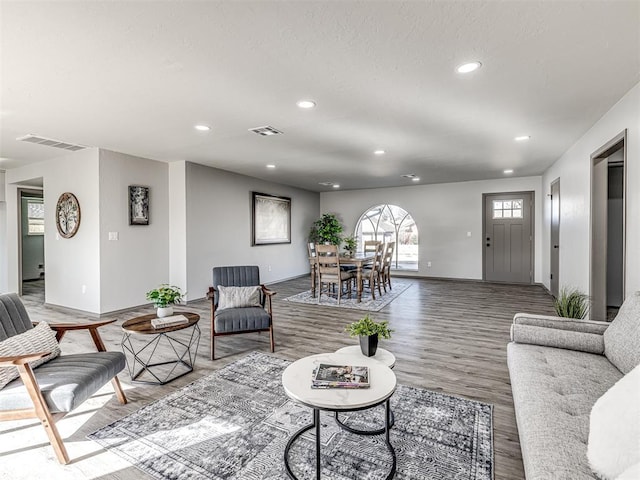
{"x": 271, "y": 219}
{"x": 138, "y": 205}
{"x": 67, "y": 215}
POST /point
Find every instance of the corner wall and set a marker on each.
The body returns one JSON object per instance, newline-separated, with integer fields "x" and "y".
{"x": 219, "y": 227}
{"x": 72, "y": 264}
{"x": 139, "y": 260}
{"x": 574, "y": 171}
{"x": 443, "y": 213}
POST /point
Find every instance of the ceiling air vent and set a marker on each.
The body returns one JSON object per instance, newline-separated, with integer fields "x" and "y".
{"x": 265, "y": 131}
{"x": 326, "y": 184}
{"x": 49, "y": 142}
{"x": 409, "y": 175}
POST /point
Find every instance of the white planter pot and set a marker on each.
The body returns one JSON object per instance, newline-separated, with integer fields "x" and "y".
{"x": 165, "y": 311}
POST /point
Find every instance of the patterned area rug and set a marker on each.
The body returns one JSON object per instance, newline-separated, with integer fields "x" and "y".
{"x": 235, "y": 423}
{"x": 367, "y": 303}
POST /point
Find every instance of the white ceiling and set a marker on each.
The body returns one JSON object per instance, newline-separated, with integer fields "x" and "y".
{"x": 135, "y": 77}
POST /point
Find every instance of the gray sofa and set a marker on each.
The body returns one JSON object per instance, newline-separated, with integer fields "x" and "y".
{"x": 559, "y": 367}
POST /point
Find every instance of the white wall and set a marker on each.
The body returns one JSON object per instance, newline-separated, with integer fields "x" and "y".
{"x": 219, "y": 227}
{"x": 139, "y": 260}
{"x": 574, "y": 170}
{"x": 4, "y": 264}
{"x": 178, "y": 222}
{"x": 72, "y": 263}
{"x": 443, "y": 213}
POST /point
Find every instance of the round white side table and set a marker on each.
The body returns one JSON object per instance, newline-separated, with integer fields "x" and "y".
{"x": 382, "y": 355}
{"x": 297, "y": 378}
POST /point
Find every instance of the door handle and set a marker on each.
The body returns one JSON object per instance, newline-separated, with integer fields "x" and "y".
{"x": 556, "y": 246}
{"x": 488, "y": 244}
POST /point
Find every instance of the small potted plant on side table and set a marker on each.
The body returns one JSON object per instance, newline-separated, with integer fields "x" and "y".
{"x": 164, "y": 298}
{"x": 369, "y": 330}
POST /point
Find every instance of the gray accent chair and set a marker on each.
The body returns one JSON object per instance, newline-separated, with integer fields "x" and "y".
{"x": 559, "y": 367}
{"x": 53, "y": 389}
{"x": 233, "y": 321}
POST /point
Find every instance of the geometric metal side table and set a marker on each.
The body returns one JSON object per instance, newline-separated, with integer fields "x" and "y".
{"x": 181, "y": 350}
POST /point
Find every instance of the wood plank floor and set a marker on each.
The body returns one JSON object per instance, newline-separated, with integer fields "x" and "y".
{"x": 450, "y": 336}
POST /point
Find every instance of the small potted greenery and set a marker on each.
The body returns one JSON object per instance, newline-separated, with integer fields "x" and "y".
{"x": 571, "y": 303}
{"x": 369, "y": 330}
{"x": 350, "y": 245}
{"x": 164, "y": 298}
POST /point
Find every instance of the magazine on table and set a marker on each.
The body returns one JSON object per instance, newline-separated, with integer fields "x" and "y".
{"x": 340, "y": 376}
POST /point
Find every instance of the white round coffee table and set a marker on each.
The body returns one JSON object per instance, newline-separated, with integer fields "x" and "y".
{"x": 297, "y": 379}
{"x": 382, "y": 355}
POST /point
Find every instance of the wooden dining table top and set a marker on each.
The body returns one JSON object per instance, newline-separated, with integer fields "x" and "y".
{"x": 359, "y": 259}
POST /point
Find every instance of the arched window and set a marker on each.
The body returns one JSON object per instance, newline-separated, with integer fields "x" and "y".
{"x": 390, "y": 223}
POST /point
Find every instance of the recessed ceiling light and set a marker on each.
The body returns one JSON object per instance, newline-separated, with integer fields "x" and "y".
{"x": 379, "y": 152}
{"x": 306, "y": 103}
{"x": 468, "y": 67}
{"x": 271, "y": 166}
{"x": 415, "y": 179}
{"x": 335, "y": 185}
{"x": 202, "y": 128}
{"x": 522, "y": 138}
{"x": 508, "y": 171}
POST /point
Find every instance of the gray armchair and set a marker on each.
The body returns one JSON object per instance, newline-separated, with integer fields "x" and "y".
{"x": 51, "y": 390}
{"x": 232, "y": 321}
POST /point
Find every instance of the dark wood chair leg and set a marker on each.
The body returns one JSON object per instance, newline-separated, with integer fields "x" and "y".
{"x": 273, "y": 343}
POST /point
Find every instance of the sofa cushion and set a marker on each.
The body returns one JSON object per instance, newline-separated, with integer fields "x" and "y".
{"x": 553, "y": 392}
{"x": 241, "y": 319}
{"x": 614, "y": 428}
{"x": 66, "y": 381}
{"x": 238, "y": 297}
{"x": 35, "y": 340}
{"x": 622, "y": 338}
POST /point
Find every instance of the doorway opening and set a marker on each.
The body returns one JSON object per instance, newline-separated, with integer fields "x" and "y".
{"x": 554, "y": 264}
{"x": 31, "y": 231}
{"x": 608, "y": 244}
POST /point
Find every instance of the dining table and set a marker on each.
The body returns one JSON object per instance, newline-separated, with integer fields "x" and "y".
{"x": 358, "y": 260}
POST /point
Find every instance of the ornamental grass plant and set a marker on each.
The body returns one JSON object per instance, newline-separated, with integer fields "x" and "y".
{"x": 571, "y": 303}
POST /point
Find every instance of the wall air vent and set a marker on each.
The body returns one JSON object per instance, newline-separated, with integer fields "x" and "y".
{"x": 49, "y": 142}
{"x": 265, "y": 131}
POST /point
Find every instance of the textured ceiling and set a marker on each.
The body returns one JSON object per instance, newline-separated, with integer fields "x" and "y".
{"x": 135, "y": 77}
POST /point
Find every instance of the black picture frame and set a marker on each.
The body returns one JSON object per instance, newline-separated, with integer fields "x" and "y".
{"x": 270, "y": 219}
{"x": 138, "y": 205}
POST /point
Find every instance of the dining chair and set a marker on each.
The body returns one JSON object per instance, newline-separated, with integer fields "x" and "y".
{"x": 311, "y": 251}
{"x": 387, "y": 259}
{"x": 329, "y": 271}
{"x": 373, "y": 273}
{"x": 370, "y": 246}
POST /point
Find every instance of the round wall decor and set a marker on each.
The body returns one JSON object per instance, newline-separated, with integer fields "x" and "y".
{"x": 67, "y": 215}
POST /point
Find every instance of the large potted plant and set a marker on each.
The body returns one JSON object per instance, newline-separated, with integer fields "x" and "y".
{"x": 571, "y": 303}
{"x": 327, "y": 229}
{"x": 369, "y": 331}
{"x": 164, "y": 298}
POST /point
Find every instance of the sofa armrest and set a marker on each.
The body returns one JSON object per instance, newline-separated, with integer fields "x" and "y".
{"x": 561, "y": 323}
{"x": 558, "y": 338}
